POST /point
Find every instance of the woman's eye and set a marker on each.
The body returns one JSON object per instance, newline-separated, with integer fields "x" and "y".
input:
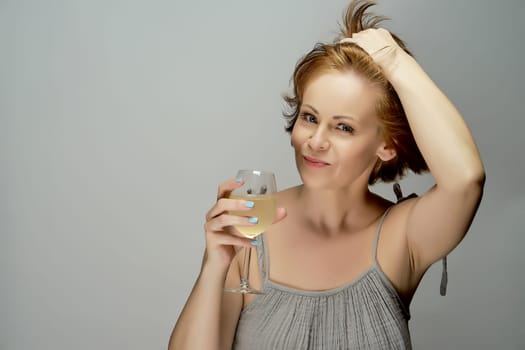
{"x": 309, "y": 118}
{"x": 345, "y": 128}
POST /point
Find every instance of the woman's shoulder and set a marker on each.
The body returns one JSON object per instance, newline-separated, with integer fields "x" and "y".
{"x": 394, "y": 211}
{"x": 397, "y": 212}
{"x": 399, "y": 204}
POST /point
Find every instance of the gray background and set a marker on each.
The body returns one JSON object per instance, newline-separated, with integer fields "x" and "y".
{"x": 118, "y": 119}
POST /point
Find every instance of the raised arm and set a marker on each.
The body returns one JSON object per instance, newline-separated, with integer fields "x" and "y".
{"x": 437, "y": 221}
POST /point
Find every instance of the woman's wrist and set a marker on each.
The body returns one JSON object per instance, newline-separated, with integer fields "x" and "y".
{"x": 213, "y": 269}
{"x": 401, "y": 68}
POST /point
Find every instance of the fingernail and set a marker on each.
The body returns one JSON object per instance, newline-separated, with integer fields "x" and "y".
{"x": 238, "y": 180}
{"x": 254, "y": 242}
{"x": 249, "y": 204}
{"x": 254, "y": 220}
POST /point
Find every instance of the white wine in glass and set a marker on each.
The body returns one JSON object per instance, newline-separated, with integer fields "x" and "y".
{"x": 264, "y": 209}
{"x": 259, "y": 187}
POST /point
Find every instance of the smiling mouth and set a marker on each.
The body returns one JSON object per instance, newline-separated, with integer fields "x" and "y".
{"x": 315, "y": 162}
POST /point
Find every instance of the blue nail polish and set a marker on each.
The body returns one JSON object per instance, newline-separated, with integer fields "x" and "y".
{"x": 238, "y": 180}
{"x": 254, "y": 242}
{"x": 249, "y": 204}
{"x": 254, "y": 220}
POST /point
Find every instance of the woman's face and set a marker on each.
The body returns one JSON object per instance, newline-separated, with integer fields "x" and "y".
{"x": 337, "y": 135}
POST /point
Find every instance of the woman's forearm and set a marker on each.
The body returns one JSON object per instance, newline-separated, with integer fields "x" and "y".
{"x": 198, "y": 324}
{"x": 438, "y": 128}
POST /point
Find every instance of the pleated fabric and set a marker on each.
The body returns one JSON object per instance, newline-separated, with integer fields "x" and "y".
{"x": 364, "y": 314}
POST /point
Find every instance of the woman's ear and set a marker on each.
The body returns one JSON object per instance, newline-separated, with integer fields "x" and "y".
{"x": 386, "y": 153}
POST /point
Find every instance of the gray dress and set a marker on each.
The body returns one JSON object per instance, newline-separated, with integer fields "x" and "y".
{"x": 366, "y": 313}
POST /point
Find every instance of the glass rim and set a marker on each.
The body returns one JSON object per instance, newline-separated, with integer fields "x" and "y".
{"x": 255, "y": 172}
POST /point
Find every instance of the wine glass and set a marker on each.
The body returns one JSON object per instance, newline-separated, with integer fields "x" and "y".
{"x": 259, "y": 187}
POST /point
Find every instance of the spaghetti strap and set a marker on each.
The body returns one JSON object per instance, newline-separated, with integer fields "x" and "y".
{"x": 364, "y": 313}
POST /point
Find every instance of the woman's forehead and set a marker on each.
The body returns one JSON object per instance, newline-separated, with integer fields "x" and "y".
{"x": 341, "y": 93}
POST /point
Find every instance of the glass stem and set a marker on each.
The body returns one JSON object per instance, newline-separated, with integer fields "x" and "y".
{"x": 245, "y": 267}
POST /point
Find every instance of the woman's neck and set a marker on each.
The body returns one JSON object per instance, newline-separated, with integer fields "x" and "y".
{"x": 335, "y": 211}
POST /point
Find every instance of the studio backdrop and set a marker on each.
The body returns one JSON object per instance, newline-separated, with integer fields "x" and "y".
{"x": 118, "y": 120}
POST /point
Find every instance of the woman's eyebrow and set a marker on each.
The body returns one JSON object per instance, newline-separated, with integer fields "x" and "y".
{"x": 344, "y": 117}
{"x": 334, "y": 117}
{"x": 312, "y": 108}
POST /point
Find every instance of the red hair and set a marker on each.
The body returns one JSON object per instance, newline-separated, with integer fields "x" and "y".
{"x": 344, "y": 57}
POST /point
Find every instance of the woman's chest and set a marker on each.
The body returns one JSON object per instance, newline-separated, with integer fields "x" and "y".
{"x": 309, "y": 261}
{"x": 363, "y": 315}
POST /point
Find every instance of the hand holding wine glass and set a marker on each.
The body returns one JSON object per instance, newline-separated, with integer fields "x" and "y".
{"x": 259, "y": 191}
{"x": 231, "y": 212}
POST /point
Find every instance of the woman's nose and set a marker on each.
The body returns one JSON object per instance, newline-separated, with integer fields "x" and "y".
{"x": 318, "y": 140}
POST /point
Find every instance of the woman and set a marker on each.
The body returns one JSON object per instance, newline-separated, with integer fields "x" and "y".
{"x": 341, "y": 264}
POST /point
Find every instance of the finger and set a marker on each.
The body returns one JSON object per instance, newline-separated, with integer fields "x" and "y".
{"x": 226, "y": 204}
{"x": 228, "y": 186}
{"x": 226, "y": 239}
{"x": 232, "y": 230}
{"x": 381, "y": 51}
{"x": 347, "y": 41}
{"x": 384, "y": 31}
{"x": 280, "y": 213}
{"x": 368, "y": 30}
{"x": 225, "y": 220}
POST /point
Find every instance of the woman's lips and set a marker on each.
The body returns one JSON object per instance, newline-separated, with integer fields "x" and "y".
{"x": 315, "y": 163}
